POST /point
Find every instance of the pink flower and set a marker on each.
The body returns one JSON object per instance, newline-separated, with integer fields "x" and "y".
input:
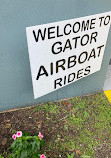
{"x": 98, "y": 138}
{"x": 40, "y": 136}
{"x": 14, "y": 136}
{"x": 42, "y": 156}
{"x": 19, "y": 134}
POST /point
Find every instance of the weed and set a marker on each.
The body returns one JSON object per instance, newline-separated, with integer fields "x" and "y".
{"x": 70, "y": 156}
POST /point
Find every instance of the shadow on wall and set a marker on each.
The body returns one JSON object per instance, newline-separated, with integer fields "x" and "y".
{"x": 110, "y": 62}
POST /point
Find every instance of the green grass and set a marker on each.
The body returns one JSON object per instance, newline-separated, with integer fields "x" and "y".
{"x": 88, "y": 124}
{"x": 48, "y": 107}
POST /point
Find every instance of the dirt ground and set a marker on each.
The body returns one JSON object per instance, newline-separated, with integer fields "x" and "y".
{"x": 33, "y": 121}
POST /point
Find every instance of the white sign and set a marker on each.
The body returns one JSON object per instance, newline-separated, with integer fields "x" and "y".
{"x": 63, "y": 52}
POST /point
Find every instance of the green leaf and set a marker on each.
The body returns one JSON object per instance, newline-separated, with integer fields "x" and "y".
{"x": 12, "y": 155}
{"x": 29, "y": 152}
{"x": 19, "y": 147}
{"x": 85, "y": 156}
{"x": 42, "y": 142}
{"x": 38, "y": 145}
{"x": 29, "y": 137}
{"x": 13, "y": 144}
{"x": 70, "y": 156}
{"x": 23, "y": 154}
{"x": 33, "y": 145}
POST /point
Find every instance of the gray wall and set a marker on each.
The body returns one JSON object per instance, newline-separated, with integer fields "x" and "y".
{"x": 15, "y": 77}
